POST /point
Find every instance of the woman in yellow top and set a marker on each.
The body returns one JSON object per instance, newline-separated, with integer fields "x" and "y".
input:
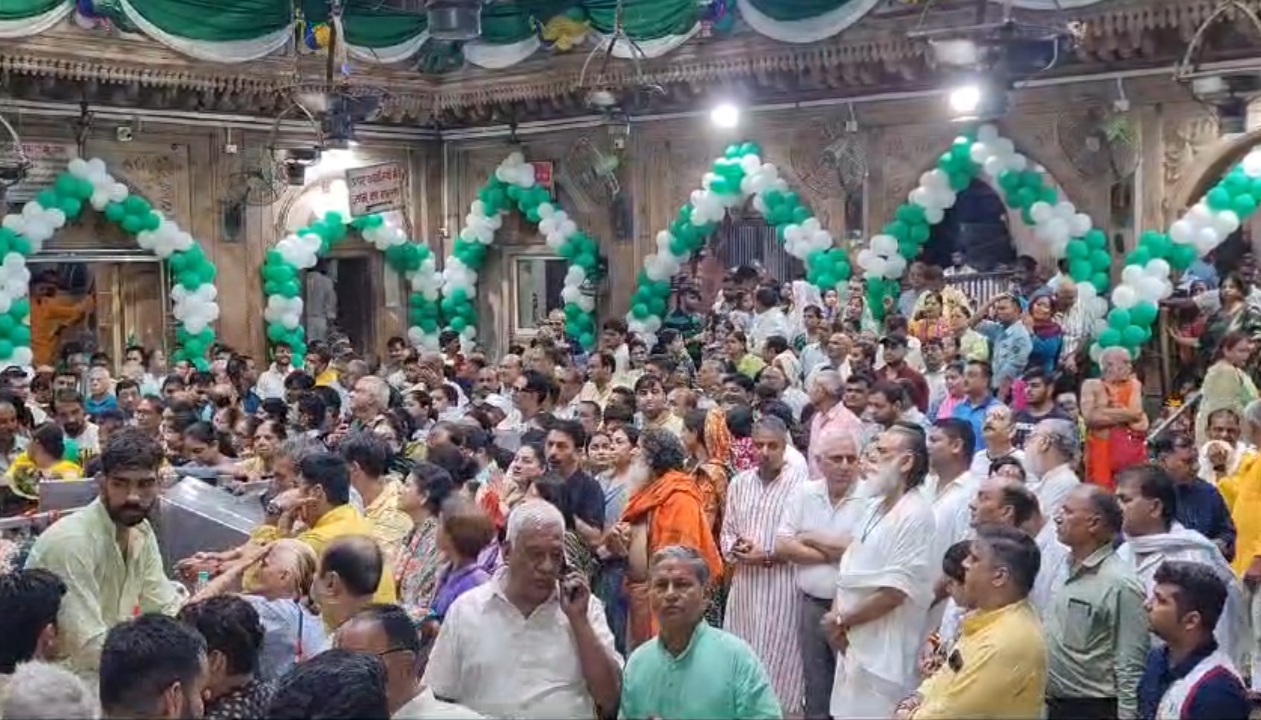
{"x": 42, "y": 460}
{"x": 1226, "y": 384}
{"x": 736, "y": 349}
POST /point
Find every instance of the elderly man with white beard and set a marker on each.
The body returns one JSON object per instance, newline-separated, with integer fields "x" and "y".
{"x": 1148, "y": 498}
{"x": 1051, "y": 454}
{"x": 884, "y": 583}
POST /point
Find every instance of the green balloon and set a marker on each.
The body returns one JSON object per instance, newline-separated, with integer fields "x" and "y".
{"x": 1219, "y": 198}
{"x": 1119, "y": 318}
{"x": 1100, "y": 260}
{"x": 133, "y": 224}
{"x": 898, "y": 230}
{"x": 1182, "y": 256}
{"x": 277, "y": 333}
{"x": 1134, "y": 336}
{"x": 72, "y": 207}
{"x": 1244, "y": 205}
{"x": 289, "y": 289}
{"x": 1141, "y": 256}
{"x": 47, "y": 199}
{"x": 1100, "y": 281}
{"x": 21, "y": 335}
{"x": 6, "y": 325}
{"x": 1077, "y": 250}
{"x": 1110, "y": 337}
{"x": 1144, "y": 314}
{"x": 920, "y": 233}
{"x": 1079, "y": 270}
{"x": 115, "y": 212}
{"x": 1096, "y": 240}
{"x": 20, "y": 309}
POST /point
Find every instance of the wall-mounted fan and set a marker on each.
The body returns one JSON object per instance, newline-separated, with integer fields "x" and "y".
{"x": 14, "y": 163}
{"x": 1099, "y": 139}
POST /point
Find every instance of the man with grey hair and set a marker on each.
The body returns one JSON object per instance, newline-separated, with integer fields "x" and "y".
{"x": 884, "y": 583}
{"x": 762, "y": 603}
{"x": 818, "y": 522}
{"x": 692, "y": 669}
{"x": 42, "y": 691}
{"x": 1051, "y": 455}
{"x": 528, "y": 610}
{"x": 369, "y": 399}
{"x": 826, "y": 389}
{"x": 1096, "y": 626}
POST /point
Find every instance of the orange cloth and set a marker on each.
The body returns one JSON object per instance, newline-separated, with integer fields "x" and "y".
{"x": 674, "y": 510}
{"x": 1098, "y": 440}
{"x": 49, "y": 316}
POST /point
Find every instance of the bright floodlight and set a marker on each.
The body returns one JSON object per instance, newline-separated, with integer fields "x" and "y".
{"x": 725, "y": 116}
{"x": 965, "y": 99}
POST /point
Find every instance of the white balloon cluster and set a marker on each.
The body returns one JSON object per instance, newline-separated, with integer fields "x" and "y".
{"x": 480, "y": 226}
{"x": 196, "y": 309}
{"x": 706, "y": 206}
{"x": 300, "y": 250}
{"x": 1204, "y": 228}
{"x": 882, "y": 259}
{"x": 428, "y": 282}
{"x": 284, "y": 310}
{"x": 1139, "y": 283}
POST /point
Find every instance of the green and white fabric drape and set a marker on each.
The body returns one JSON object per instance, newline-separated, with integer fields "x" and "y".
{"x": 214, "y": 30}
{"x": 804, "y": 21}
{"x": 23, "y": 18}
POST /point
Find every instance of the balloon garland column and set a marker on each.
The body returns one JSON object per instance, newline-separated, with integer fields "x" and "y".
{"x": 1056, "y": 222}
{"x": 514, "y": 184}
{"x": 737, "y": 176}
{"x": 283, "y": 265}
{"x": 193, "y": 293}
{"x": 1146, "y": 278}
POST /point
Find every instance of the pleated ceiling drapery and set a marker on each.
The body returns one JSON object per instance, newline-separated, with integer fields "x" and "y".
{"x": 234, "y": 31}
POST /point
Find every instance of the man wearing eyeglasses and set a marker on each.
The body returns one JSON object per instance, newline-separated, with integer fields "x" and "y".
{"x": 387, "y": 632}
{"x": 817, "y": 523}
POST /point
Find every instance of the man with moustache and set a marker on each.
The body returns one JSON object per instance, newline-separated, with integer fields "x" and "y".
{"x": 107, "y": 553}
{"x": 763, "y": 598}
{"x": 1005, "y": 501}
{"x": 884, "y": 583}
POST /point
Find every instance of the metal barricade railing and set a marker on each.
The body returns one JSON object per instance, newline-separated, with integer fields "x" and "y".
{"x": 980, "y": 287}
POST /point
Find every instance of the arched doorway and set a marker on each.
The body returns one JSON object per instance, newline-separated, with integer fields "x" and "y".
{"x": 976, "y": 226}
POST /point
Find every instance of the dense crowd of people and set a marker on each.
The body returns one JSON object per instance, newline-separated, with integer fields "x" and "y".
{"x": 793, "y": 505}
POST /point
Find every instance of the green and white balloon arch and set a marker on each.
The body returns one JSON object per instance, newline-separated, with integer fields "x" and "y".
{"x": 1024, "y": 187}
{"x": 1145, "y": 278}
{"x": 283, "y": 266}
{"x": 514, "y": 184}
{"x": 737, "y": 176}
{"x": 88, "y": 182}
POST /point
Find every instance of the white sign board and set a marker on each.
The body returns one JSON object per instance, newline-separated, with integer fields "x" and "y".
{"x": 375, "y": 189}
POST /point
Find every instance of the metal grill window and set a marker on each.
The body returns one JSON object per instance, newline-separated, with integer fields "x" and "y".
{"x": 741, "y": 241}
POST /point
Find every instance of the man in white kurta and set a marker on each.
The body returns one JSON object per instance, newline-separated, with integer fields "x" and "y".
{"x": 950, "y": 489}
{"x": 762, "y": 601}
{"x": 884, "y": 585}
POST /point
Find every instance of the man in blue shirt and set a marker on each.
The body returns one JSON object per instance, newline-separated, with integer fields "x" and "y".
{"x": 977, "y": 399}
{"x": 1010, "y": 341}
{"x": 1200, "y": 506}
{"x": 1189, "y": 677}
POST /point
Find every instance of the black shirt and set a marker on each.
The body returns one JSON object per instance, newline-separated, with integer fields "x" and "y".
{"x": 585, "y": 499}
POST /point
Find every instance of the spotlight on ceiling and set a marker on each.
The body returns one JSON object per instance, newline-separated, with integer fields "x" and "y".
{"x": 725, "y": 116}
{"x": 977, "y": 100}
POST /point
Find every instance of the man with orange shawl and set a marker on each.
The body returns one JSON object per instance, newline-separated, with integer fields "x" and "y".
{"x": 666, "y": 508}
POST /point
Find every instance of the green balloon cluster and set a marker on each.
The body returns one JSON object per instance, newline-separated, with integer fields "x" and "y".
{"x": 1089, "y": 260}
{"x": 1021, "y": 189}
{"x": 651, "y": 298}
{"x": 829, "y": 268}
{"x": 1236, "y": 192}
{"x": 134, "y": 215}
{"x": 195, "y": 344}
{"x": 68, "y": 194}
{"x": 13, "y": 242}
{"x": 14, "y": 332}
{"x": 279, "y": 277}
{"x": 424, "y": 313}
{"x": 1130, "y": 329}
{"x": 459, "y": 309}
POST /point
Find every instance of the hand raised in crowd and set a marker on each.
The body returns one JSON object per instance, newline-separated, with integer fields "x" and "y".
{"x": 575, "y": 596}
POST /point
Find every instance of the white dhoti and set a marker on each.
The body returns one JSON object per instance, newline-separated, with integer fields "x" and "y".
{"x": 859, "y": 695}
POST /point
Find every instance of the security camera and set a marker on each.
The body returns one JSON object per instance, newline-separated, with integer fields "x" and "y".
{"x": 124, "y": 133}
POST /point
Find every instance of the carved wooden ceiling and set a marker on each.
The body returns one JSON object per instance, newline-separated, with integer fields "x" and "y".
{"x": 872, "y": 57}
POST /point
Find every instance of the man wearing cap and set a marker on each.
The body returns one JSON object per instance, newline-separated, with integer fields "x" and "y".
{"x": 896, "y": 369}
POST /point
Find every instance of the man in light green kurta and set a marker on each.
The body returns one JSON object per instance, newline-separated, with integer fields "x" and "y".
{"x": 107, "y": 553}
{"x": 692, "y": 671}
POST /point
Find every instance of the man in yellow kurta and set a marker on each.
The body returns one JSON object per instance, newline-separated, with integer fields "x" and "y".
{"x": 107, "y": 553}
{"x": 998, "y": 666}
{"x": 322, "y": 502}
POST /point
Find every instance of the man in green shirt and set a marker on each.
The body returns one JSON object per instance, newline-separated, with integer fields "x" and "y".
{"x": 692, "y": 670}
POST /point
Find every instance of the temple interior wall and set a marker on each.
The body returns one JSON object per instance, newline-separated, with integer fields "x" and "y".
{"x": 187, "y": 173}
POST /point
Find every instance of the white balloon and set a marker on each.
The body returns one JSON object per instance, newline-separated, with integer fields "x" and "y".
{"x": 77, "y": 167}
{"x": 921, "y": 196}
{"x": 934, "y": 215}
{"x": 879, "y": 266}
{"x": 1004, "y": 147}
{"x": 1124, "y": 296}
{"x": 22, "y": 356}
{"x": 118, "y": 192}
{"x": 994, "y": 165}
{"x": 1226, "y": 222}
{"x": 884, "y": 245}
{"x": 896, "y": 265}
{"x": 1096, "y": 352}
{"x": 1017, "y": 162}
{"x": 1208, "y": 237}
{"x": 987, "y": 133}
{"x": 96, "y": 167}
{"x": 1041, "y": 211}
{"x": 1079, "y": 225}
{"x": 865, "y": 256}
{"x": 980, "y": 152}
{"x": 1130, "y": 275}
{"x": 1158, "y": 268}
{"x": 1182, "y": 232}
{"x": 1252, "y": 164}
{"x": 750, "y": 164}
